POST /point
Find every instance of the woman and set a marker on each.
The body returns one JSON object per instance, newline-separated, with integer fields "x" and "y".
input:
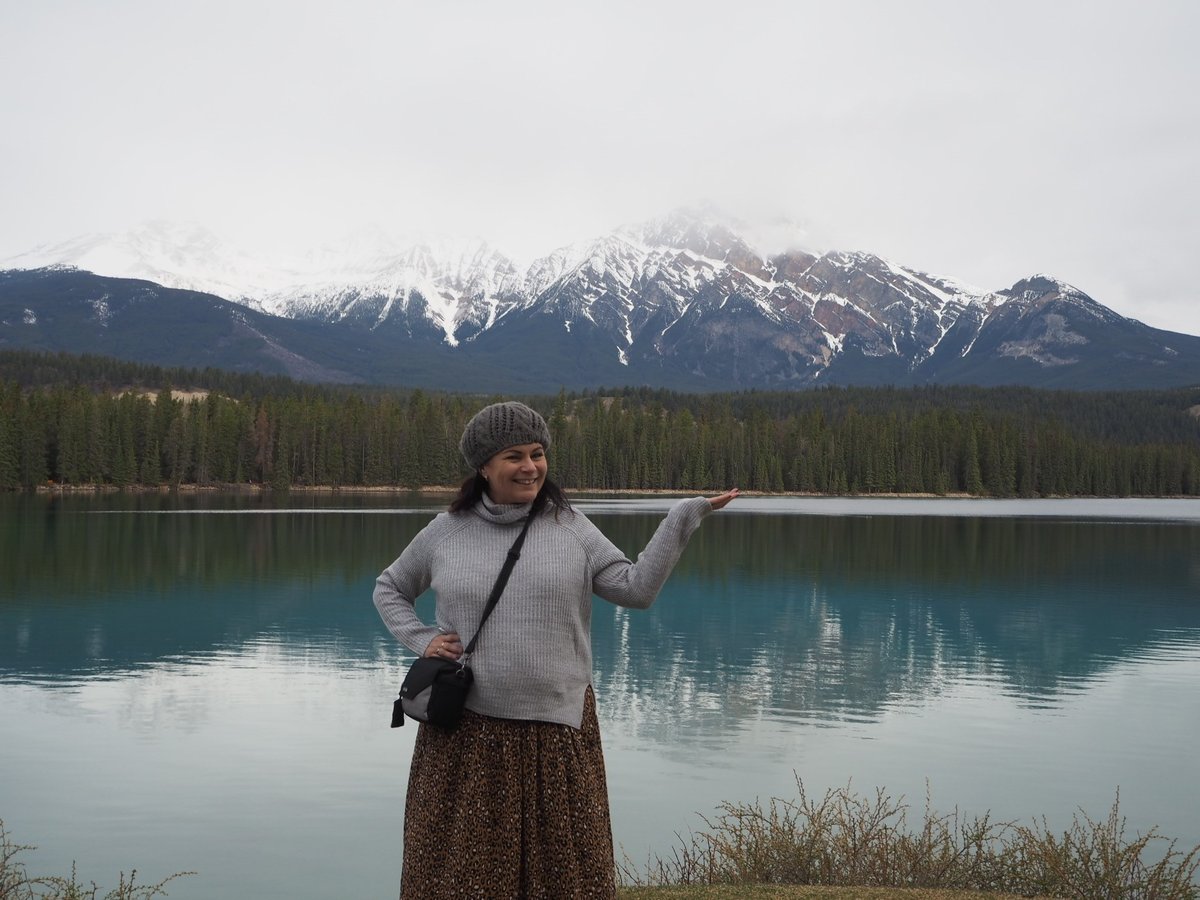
{"x": 513, "y": 803}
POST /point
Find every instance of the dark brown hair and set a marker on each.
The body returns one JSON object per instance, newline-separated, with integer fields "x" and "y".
{"x": 475, "y": 486}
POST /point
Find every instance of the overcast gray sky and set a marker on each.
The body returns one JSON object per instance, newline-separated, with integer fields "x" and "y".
{"x": 983, "y": 140}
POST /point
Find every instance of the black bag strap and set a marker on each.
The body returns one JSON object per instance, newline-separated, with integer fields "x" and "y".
{"x": 514, "y": 554}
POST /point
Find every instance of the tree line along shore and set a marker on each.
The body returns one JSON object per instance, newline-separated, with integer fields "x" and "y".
{"x": 69, "y": 421}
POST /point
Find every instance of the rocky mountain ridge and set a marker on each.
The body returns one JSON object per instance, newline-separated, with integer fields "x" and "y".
{"x": 682, "y": 301}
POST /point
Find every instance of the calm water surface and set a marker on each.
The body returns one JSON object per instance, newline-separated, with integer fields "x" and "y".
{"x": 202, "y": 683}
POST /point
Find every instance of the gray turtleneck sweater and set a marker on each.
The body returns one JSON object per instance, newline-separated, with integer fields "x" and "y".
{"x": 534, "y": 657}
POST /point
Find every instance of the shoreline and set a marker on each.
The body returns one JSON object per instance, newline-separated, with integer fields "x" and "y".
{"x": 449, "y": 490}
{"x": 257, "y": 488}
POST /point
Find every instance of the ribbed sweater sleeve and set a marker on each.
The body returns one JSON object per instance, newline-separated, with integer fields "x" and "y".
{"x": 401, "y": 583}
{"x": 636, "y": 584}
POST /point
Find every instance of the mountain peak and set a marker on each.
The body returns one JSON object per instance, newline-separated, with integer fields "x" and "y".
{"x": 692, "y": 269}
{"x": 634, "y": 307}
{"x": 1043, "y": 283}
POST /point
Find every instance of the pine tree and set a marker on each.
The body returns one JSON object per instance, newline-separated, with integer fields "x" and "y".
{"x": 9, "y": 470}
{"x": 178, "y": 451}
{"x": 281, "y": 468}
{"x": 972, "y": 476}
{"x": 31, "y": 443}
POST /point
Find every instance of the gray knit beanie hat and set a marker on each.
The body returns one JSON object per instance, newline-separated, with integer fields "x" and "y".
{"x": 498, "y": 426}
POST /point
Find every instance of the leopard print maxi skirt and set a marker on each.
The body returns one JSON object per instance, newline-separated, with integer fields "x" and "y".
{"x": 501, "y": 809}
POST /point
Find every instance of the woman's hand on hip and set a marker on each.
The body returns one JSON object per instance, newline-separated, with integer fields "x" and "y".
{"x": 445, "y": 646}
{"x": 722, "y": 500}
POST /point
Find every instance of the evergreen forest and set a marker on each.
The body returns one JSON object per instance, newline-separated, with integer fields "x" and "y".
{"x": 84, "y": 420}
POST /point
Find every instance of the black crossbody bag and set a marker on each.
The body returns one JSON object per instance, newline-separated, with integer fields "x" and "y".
{"x": 435, "y": 689}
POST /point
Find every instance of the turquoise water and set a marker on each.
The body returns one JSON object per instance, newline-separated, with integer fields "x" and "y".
{"x": 203, "y": 683}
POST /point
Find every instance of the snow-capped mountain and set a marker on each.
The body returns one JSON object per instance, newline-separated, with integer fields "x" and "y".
{"x": 189, "y": 257}
{"x": 451, "y": 291}
{"x": 681, "y": 301}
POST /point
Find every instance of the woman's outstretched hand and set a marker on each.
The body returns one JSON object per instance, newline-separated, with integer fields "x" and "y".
{"x": 722, "y": 500}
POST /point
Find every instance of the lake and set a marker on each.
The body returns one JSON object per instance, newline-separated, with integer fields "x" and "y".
{"x": 202, "y": 682}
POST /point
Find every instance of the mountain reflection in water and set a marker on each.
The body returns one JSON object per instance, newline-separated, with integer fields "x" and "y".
{"x": 815, "y": 617}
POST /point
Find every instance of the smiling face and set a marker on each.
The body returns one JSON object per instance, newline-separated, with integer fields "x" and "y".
{"x": 515, "y": 474}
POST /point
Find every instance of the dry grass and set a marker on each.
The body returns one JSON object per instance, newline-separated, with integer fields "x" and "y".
{"x": 841, "y": 846}
{"x": 801, "y": 892}
{"x": 843, "y": 839}
{"x": 16, "y": 884}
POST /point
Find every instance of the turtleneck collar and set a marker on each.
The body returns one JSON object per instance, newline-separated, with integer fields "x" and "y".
{"x": 500, "y": 513}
